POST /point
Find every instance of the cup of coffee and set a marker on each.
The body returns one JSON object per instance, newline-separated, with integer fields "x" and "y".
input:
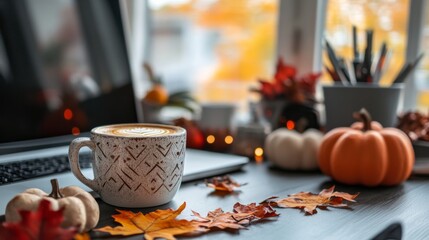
{"x": 135, "y": 165}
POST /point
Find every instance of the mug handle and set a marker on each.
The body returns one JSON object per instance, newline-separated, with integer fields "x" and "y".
{"x": 74, "y": 148}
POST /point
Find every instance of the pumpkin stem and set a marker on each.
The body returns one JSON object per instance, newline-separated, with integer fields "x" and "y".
{"x": 55, "y": 189}
{"x": 364, "y": 116}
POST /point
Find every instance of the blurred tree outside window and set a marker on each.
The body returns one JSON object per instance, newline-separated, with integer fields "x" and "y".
{"x": 216, "y": 48}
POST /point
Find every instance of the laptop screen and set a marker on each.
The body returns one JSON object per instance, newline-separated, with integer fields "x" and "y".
{"x": 63, "y": 68}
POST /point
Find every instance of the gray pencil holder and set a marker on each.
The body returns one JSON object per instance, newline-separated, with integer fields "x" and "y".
{"x": 341, "y": 101}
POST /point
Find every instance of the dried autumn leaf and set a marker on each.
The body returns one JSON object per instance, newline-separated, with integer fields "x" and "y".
{"x": 223, "y": 184}
{"x": 259, "y": 211}
{"x": 310, "y": 201}
{"x": 242, "y": 216}
{"x": 38, "y": 225}
{"x": 220, "y": 219}
{"x": 157, "y": 224}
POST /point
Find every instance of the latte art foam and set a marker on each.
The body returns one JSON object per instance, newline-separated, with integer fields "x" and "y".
{"x": 135, "y": 131}
{"x": 142, "y": 131}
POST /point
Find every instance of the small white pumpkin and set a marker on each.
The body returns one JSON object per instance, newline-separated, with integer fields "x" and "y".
{"x": 291, "y": 150}
{"x": 80, "y": 208}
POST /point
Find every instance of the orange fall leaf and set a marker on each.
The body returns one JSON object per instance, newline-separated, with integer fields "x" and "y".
{"x": 310, "y": 201}
{"x": 241, "y": 216}
{"x": 220, "y": 219}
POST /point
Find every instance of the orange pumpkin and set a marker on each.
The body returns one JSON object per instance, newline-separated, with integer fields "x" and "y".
{"x": 366, "y": 156}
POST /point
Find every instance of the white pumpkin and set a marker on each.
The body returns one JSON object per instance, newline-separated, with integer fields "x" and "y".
{"x": 80, "y": 208}
{"x": 292, "y": 150}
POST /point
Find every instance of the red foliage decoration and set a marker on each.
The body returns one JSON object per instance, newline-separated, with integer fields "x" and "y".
{"x": 287, "y": 85}
{"x": 39, "y": 225}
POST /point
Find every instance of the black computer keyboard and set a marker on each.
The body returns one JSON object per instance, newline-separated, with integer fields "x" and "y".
{"x": 22, "y": 170}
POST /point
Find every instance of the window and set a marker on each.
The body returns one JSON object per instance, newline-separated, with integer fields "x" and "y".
{"x": 216, "y": 48}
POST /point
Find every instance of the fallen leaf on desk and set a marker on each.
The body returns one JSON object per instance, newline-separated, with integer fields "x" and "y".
{"x": 164, "y": 223}
{"x": 157, "y": 224}
{"x": 259, "y": 211}
{"x": 241, "y": 216}
{"x": 42, "y": 224}
{"x": 220, "y": 219}
{"x": 223, "y": 184}
{"x": 310, "y": 201}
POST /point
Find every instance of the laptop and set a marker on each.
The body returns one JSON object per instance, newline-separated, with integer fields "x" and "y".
{"x": 64, "y": 69}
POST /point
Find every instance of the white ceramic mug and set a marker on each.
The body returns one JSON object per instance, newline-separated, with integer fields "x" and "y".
{"x": 135, "y": 165}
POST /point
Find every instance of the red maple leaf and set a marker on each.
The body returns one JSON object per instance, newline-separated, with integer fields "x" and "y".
{"x": 287, "y": 85}
{"x": 38, "y": 225}
{"x": 284, "y": 71}
{"x": 267, "y": 89}
{"x": 308, "y": 82}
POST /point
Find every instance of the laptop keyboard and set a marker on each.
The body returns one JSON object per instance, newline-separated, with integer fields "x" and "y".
{"x": 22, "y": 170}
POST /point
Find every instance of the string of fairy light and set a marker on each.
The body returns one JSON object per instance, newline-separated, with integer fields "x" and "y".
{"x": 258, "y": 151}
{"x": 68, "y": 115}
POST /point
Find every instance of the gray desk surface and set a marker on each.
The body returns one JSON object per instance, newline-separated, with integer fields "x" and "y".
{"x": 375, "y": 209}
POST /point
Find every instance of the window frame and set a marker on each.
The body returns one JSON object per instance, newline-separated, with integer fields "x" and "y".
{"x": 416, "y": 24}
{"x": 300, "y": 29}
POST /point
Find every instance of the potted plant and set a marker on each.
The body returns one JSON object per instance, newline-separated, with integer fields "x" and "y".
{"x": 288, "y": 97}
{"x": 157, "y": 98}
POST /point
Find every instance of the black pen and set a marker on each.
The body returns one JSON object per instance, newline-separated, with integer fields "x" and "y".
{"x": 355, "y": 45}
{"x": 407, "y": 69}
{"x": 380, "y": 63}
{"x": 332, "y": 74}
{"x": 367, "y": 61}
{"x": 335, "y": 63}
{"x": 344, "y": 69}
{"x": 357, "y": 65}
{"x": 401, "y": 75}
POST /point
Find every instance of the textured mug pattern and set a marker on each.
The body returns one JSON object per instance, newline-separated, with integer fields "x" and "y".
{"x": 153, "y": 166}
{"x": 137, "y": 172}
